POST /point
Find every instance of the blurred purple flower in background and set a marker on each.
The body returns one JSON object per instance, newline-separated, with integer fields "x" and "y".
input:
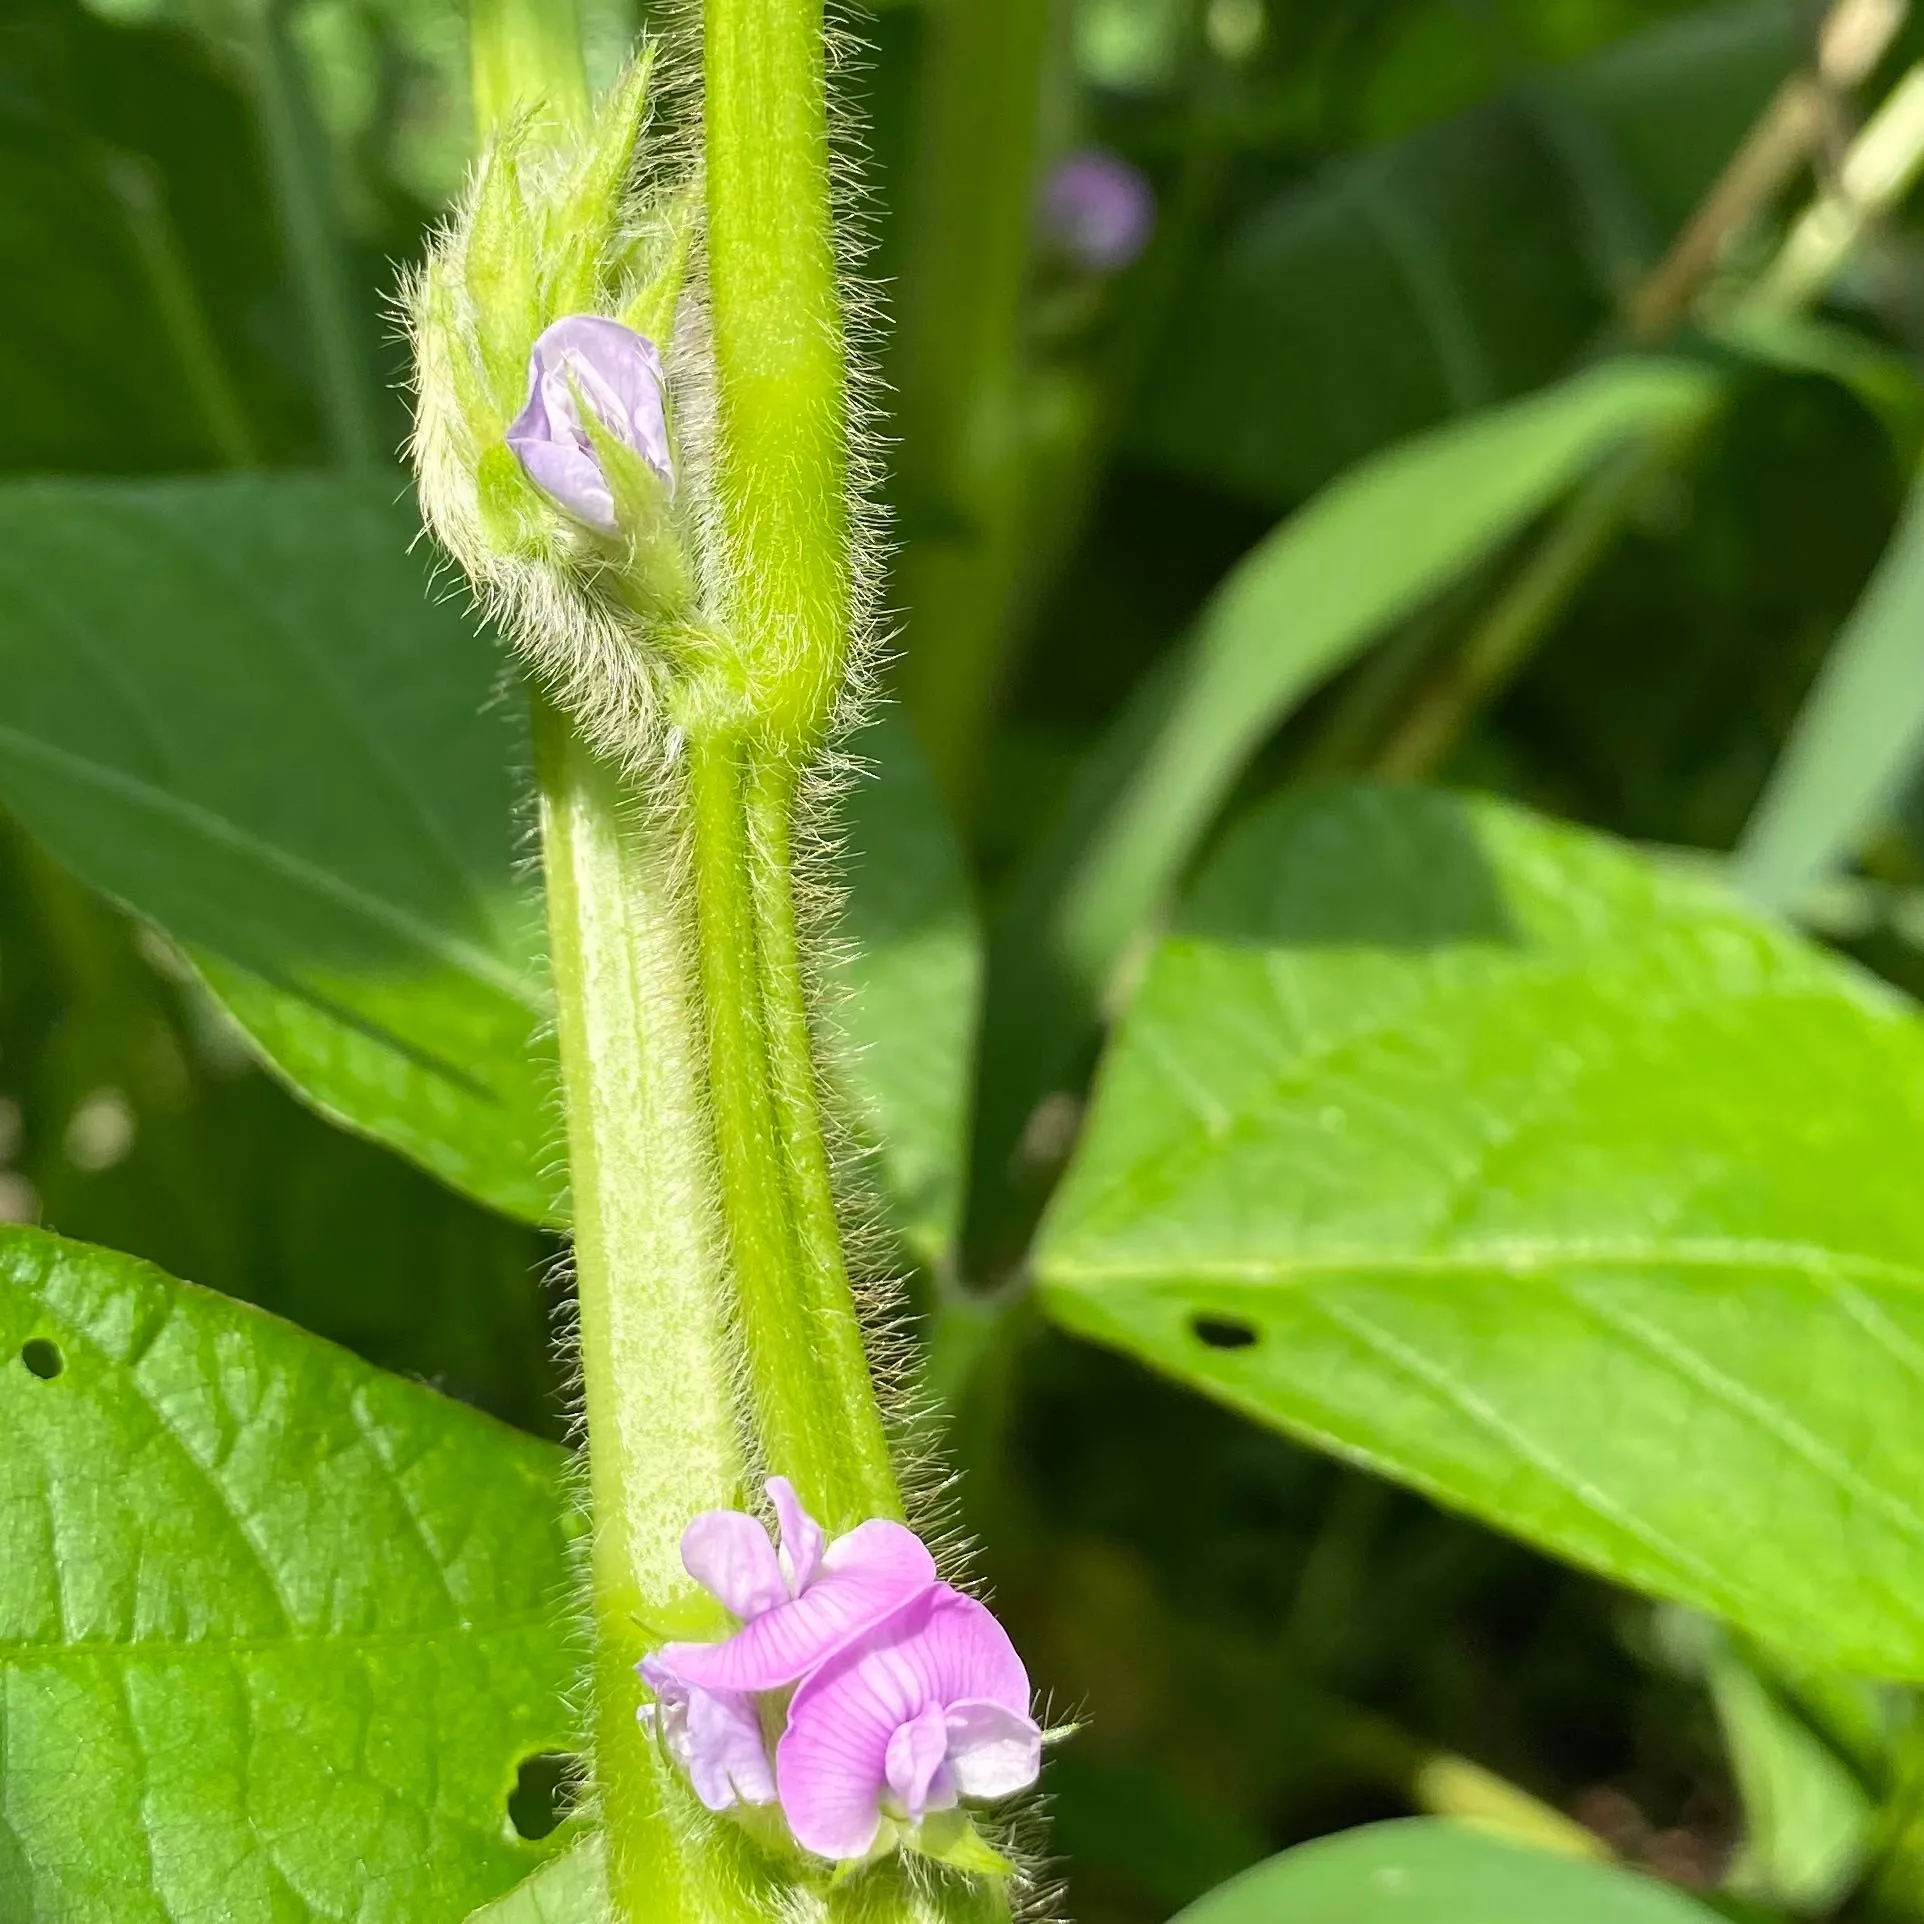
{"x": 909, "y": 1695}
{"x": 1098, "y": 210}
{"x": 584, "y": 360}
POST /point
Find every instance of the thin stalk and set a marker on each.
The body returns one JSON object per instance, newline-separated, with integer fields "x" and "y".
{"x": 658, "y": 1376}
{"x": 1522, "y": 614}
{"x": 959, "y": 367}
{"x": 1791, "y": 130}
{"x": 316, "y": 251}
{"x": 1878, "y": 171}
{"x": 863, "y": 1466}
{"x": 135, "y": 183}
{"x": 754, "y": 1186}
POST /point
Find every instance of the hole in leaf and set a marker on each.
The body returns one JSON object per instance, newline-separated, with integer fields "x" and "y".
{"x": 546, "y": 1790}
{"x": 1224, "y": 1332}
{"x": 42, "y": 1358}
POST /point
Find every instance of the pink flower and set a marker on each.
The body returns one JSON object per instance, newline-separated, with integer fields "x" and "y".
{"x": 714, "y": 1735}
{"x": 798, "y": 1604}
{"x": 586, "y": 361}
{"x": 922, "y": 1709}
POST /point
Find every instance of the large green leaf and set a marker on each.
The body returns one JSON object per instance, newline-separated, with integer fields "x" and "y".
{"x": 276, "y": 1629}
{"x": 1456, "y": 268}
{"x": 244, "y": 708}
{"x": 1367, "y": 553}
{"x": 238, "y": 707}
{"x": 1857, "y": 744}
{"x": 1563, "y": 1188}
{"x": 1429, "y": 1872}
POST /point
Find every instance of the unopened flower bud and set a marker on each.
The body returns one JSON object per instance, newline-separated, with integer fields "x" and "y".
{"x": 591, "y": 379}
{"x": 1098, "y": 211}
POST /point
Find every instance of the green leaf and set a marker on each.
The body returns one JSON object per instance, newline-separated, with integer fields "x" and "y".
{"x": 910, "y": 974}
{"x": 1858, "y": 742}
{"x": 1565, "y": 1189}
{"x": 1454, "y": 269}
{"x": 243, "y": 708}
{"x": 1424, "y": 1871}
{"x": 275, "y": 1629}
{"x": 239, "y": 707}
{"x": 570, "y": 1889}
{"x": 1363, "y": 556}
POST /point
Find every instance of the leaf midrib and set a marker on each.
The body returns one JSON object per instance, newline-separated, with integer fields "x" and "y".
{"x": 1516, "y": 1256}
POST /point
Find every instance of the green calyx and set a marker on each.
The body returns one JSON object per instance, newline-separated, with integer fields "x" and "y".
{"x": 563, "y": 218}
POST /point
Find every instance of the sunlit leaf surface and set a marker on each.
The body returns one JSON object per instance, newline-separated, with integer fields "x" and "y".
{"x": 1476, "y": 1150}
{"x": 276, "y": 1629}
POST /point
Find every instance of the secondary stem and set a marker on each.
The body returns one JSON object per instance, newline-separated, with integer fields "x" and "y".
{"x": 864, "y": 1476}
{"x": 781, "y": 479}
{"x": 781, "y": 470}
{"x": 809, "y": 1380}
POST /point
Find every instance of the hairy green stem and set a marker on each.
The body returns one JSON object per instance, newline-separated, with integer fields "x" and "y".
{"x": 810, "y": 1389}
{"x": 781, "y": 479}
{"x": 781, "y": 468}
{"x": 864, "y": 1482}
{"x": 657, "y": 1376}
{"x": 754, "y": 1185}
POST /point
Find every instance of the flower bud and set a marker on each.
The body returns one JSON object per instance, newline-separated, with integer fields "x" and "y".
{"x": 591, "y": 380}
{"x": 542, "y": 437}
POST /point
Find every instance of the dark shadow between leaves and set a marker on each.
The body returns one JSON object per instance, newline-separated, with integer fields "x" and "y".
{"x": 1353, "y": 867}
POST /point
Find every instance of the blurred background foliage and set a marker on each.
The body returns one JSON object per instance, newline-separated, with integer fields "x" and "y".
{"x": 1376, "y": 217}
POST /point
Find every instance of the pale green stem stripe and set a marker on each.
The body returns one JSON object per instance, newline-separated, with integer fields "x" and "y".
{"x": 658, "y": 1380}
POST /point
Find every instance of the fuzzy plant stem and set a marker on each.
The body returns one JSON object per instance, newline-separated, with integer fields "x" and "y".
{"x": 718, "y": 1328}
{"x": 781, "y": 479}
{"x": 657, "y": 1374}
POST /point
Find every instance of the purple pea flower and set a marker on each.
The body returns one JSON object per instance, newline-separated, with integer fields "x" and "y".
{"x": 1098, "y": 210}
{"x": 797, "y": 1604}
{"x": 586, "y": 361}
{"x": 921, "y": 1710}
{"x": 714, "y": 1735}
